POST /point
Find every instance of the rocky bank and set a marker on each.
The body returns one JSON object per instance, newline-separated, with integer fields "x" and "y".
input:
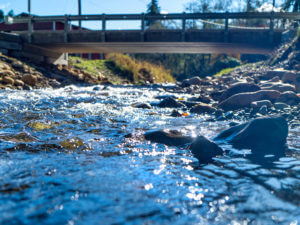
{"x": 266, "y": 95}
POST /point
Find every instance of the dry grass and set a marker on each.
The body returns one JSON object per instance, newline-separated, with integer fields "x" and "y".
{"x": 139, "y": 71}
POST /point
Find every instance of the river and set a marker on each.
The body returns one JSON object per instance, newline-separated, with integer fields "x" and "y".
{"x": 75, "y": 156}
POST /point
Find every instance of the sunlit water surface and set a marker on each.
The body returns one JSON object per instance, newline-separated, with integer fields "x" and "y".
{"x": 65, "y": 159}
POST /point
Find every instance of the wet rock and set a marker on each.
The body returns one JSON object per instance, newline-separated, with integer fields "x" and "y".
{"x": 289, "y": 97}
{"x": 175, "y": 113}
{"x": 168, "y": 137}
{"x": 202, "y": 108}
{"x": 278, "y": 87}
{"x": 170, "y": 103}
{"x": 274, "y": 79}
{"x": 259, "y": 104}
{"x": 215, "y": 95}
{"x": 191, "y": 81}
{"x": 8, "y": 80}
{"x": 239, "y": 88}
{"x": 281, "y": 106}
{"x": 265, "y": 135}
{"x": 274, "y": 73}
{"x": 30, "y": 79}
{"x": 243, "y": 100}
{"x": 263, "y": 110}
{"x": 204, "y": 150}
{"x": 292, "y": 78}
{"x": 204, "y": 99}
{"x": 141, "y": 105}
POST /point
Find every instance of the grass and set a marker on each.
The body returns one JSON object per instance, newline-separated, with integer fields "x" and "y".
{"x": 224, "y": 71}
{"x": 119, "y": 68}
{"x": 138, "y": 71}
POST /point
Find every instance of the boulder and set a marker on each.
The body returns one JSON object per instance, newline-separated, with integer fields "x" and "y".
{"x": 273, "y": 73}
{"x": 289, "y": 97}
{"x": 170, "y": 102}
{"x": 265, "y": 135}
{"x": 281, "y": 105}
{"x": 202, "y": 108}
{"x": 30, "y": 79}
{"x": 168, "y": 137}
{"x": 239, "y": 88}
{"x": 278, "y": 87}
{"x": 204, "y": 150}
{"x": 8, "y": 80}
{"x": 292, "y": 78}
{"x": 243, "y": 100}
{"x": 259, "y": 104}
{"x": 191, "y": 81}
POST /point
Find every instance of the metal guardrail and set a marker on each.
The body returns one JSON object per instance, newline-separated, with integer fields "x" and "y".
{"x": 66, "y": 19}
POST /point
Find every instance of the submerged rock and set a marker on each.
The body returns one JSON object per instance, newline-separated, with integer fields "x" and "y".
{"x": 168, "y": 137}
{"x": 204, "y": 150}
{"x": 265, "y": 135}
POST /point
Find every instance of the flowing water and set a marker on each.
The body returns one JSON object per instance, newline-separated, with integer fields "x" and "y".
{"x": 67, "y": 157}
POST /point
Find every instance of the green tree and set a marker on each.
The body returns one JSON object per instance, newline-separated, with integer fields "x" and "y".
{"x": 11, "y": 13}
{"x": 1, "y": 16}
{"x": 153, "y": 9}
{"x": 293, "y": 5}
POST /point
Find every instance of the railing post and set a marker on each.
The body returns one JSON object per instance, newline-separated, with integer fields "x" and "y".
{"x": 143, "y": 28}
{"x": 226, "y": 31}
{"x": 103, "y": 27}
{"x": 54, "y": 25}
{"x": 271, "y": 31}
{"x": 30, "y": 29}
{"x": 66, "y": 28}
{"x": 183, "y": 27}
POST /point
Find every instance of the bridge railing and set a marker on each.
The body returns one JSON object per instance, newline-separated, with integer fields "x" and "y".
{"x": 104, "y": 18}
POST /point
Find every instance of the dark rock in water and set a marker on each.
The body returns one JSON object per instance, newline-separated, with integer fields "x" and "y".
{"x": 175, "y": 113}
{"x": 170, "y": 103}
{"x": 168, "y": 137}
{"x": 202, "y": 108}
{"x": 189, "y": 104}
{"x": 239, "y": 88}
{"x": 141, "y": 105}
{"x": 204, "y": 150}
{"x": 203, "y": 99}
{"x": 265, "y": 135}
{"x": 243, "y": 100}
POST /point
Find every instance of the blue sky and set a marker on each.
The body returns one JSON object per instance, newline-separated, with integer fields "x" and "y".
{"x": 54, "y": 7}
{"x": 61, "y": 7}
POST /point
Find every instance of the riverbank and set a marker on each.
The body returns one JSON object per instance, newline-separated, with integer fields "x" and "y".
{"x": 116, "y": 69}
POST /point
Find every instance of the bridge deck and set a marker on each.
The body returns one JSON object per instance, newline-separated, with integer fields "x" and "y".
{"x": 157, "y": 41}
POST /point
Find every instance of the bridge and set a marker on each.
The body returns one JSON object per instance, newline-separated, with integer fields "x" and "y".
{"x": 227, "y": 38}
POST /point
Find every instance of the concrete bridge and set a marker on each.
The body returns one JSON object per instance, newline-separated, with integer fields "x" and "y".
{"x": 40, "y": 36}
